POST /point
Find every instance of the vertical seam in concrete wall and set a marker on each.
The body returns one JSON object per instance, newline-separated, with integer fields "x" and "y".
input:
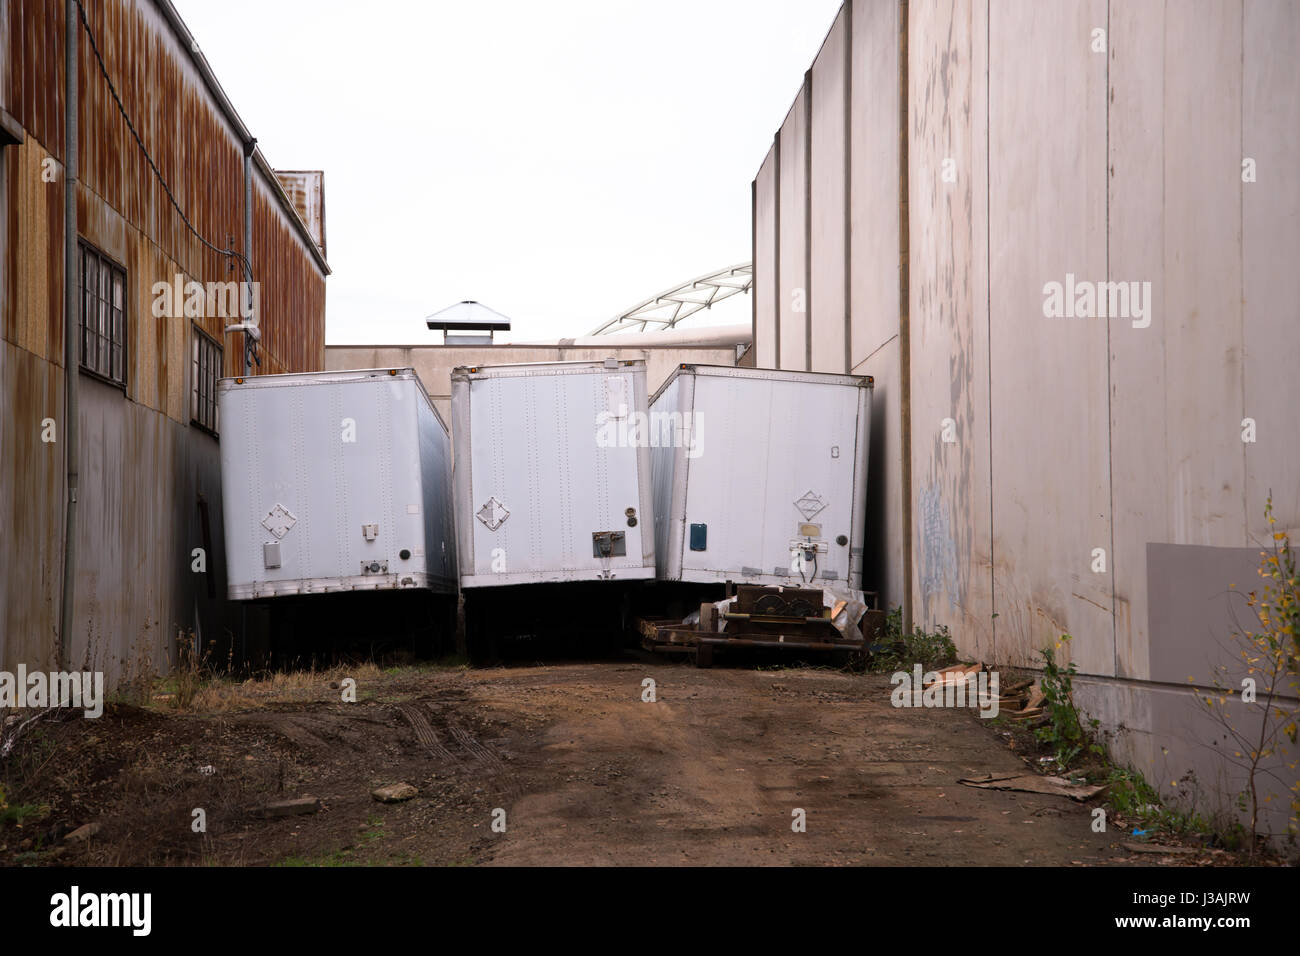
{"x": 807, "y": 219}
{"x": 904, "y": 335}
{"x": 848, "y": 186}
{"x": 1241, "y": 296}
{"x": 988, "y": 296}
{"x": 1164, "y": 271}
{"x": 776, "y": 250}
{"x": 1110, "y": 431}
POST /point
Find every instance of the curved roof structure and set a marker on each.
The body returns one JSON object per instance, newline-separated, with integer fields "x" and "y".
{"x": 673, "y": 305}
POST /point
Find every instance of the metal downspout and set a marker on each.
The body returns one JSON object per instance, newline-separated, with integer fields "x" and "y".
{"x": 71, "y": 356}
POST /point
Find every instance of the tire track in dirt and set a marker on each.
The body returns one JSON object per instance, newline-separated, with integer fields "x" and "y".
{"x": 476, "y": 750}
{"x": 495, "y": 774}
{"x": 424, "y": 732}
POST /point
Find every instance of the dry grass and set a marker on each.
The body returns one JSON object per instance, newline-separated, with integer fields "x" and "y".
{"x": 281, "y": 687}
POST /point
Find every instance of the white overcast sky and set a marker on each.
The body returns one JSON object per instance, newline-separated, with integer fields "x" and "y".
{"x": 557, "y": 161}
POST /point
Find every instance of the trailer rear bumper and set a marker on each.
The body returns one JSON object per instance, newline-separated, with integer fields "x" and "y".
{"x": 411, "y": 581}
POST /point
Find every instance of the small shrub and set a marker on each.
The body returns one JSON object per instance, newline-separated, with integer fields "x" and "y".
{"x": 929, "y": 649}
{"x": 1064, "y": 731}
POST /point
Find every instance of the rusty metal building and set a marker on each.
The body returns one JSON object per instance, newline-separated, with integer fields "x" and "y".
{"x": 149, "y": 487}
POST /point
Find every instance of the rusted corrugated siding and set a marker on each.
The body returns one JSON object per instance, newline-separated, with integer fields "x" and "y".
{"x": 35, "y": 80}
{"x": 31, "y": 307}
{"x": 306, "y": 190}
{"x": 289, "y": 342}
{"x": 143, "y": 465}
{"x": 195, "y": 148}
{"x": 30, "y": 507}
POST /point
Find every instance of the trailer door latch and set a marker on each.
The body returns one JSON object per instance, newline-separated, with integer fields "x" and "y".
{"x": 608, "y": 544}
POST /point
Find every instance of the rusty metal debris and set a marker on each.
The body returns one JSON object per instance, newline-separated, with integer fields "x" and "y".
{"x": 762, "y": 616}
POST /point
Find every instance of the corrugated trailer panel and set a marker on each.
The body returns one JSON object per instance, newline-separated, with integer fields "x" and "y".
{"x": 766, "y": 480}
{"x": 335, "y": 481}
{"x": 549, "y": 473}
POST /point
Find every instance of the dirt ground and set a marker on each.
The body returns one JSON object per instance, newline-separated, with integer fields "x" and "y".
{"x": 585, "y": 771}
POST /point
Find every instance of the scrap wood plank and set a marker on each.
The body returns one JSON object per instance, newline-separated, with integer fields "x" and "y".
{"x": 1156, "y": 848}
{"x": 1035, "y": 783}
{"x": 956, "y": 673}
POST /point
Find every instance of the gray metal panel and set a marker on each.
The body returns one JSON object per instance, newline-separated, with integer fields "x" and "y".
{"x": 1197, "y": 600}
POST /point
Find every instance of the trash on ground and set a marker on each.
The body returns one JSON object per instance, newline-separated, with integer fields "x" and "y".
{"x": 1035, "y": 783}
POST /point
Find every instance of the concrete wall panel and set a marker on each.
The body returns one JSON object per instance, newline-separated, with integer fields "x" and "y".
{"x": 1051, "y": 502}
{"x": 1175, "y": 211}
{"x": 793, "y": 300}
{"x": 1139, "y": 465}
{"x": 765, "y": 278}
{"x": 1088, "y": 167}
{"x": 1270, "y": 136}
{"x": 949, "y": 325}
{"x": 1179, "y": 744}
{"x": 882, "y": 569}
{"x": 874, "y": 132}
{"x": 829, "y": 200}
{"x": 874, "y": 276}
{"x": 1198, "y": 304}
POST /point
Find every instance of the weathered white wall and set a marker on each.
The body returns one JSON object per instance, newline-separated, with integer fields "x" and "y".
{"x": 433, "y": 363}
{"x": 829, "y": 201}
{"x": 1270, "y": 135}
{"x": 1047, "y": 209}
{"x": 765, "y": 278}
{"x": 1031, "y": 155}
{"x": 792, "y": 301}
{"x": 948, "y": 315}
{"x": 874, "y": 277}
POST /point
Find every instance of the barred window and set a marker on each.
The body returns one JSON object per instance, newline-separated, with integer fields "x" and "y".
{"x": 205, "y": 370}
{"x": 103, "y": 316}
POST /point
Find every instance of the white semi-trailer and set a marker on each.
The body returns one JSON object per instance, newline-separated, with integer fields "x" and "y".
{"x": 336, "y": 483}
{"x": 760, "y": 476}
{"x": 552, "y": 492}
